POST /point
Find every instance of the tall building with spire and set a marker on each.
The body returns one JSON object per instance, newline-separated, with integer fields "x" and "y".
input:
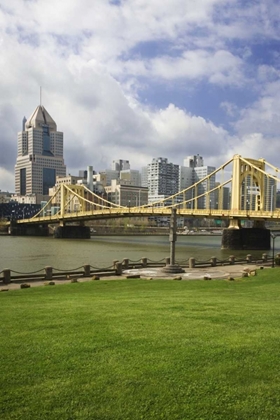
{"x": 39, "y": 154}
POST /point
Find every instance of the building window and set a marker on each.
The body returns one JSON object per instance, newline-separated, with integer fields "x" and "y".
{"x": 23, "y": 181}
{"x": 48, "y": 179}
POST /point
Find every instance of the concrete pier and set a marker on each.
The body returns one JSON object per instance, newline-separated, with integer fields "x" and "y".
{"x": 28, "y": 230}
{"x": 246, "y": 238}
{"x": 72, "y": 232}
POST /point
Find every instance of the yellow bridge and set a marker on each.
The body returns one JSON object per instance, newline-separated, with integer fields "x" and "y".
{"x": 251, "y": 185}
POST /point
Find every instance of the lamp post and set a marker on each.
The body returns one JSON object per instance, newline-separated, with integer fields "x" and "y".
{"x": 273, "y": 236}
{"x": 273, "y": 242}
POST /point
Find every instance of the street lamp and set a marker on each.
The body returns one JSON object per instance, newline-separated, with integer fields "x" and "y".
{"x": 273, "y": 236}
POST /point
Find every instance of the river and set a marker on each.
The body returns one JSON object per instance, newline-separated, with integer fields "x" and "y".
{"x": 28, "y": 254}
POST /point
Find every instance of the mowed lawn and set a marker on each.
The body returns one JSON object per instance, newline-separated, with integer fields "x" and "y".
{"x": 140, "y": 349}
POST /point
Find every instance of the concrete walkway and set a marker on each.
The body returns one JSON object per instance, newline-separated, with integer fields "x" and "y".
{"x": 221, "y": 272}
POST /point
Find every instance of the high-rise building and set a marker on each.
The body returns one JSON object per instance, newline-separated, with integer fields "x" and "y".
{"x": 163, "y": 179}
{"x": 120, "y": 165}
{"x": 192, "y": 172}
{"x": 193, "y": 161}
{"x": 124, "y": 194}
{"x": 131, "y": 177}
{"x": 186, "y": 179}
{"x": 144, "y": 176}
{"x": 209, "y": 184}
{"x": 39, "y": 155}
{"x": 251, "y": 195}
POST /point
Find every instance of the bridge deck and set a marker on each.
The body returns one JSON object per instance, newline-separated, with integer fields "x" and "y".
{"x": 151, "y": 211}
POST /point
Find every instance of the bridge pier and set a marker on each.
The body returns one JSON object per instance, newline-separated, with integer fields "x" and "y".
{"x": 28, "y": 230}
{"x": 72, "y": 232}
{"x": 246, "y": 238}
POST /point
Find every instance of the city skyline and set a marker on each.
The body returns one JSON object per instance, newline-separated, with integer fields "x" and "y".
{"x": 142, "y": 79}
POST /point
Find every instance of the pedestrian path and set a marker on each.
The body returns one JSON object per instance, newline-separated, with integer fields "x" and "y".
{"x": 220, "y": 272}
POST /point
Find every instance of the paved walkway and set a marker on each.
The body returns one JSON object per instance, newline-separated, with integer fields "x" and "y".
{"x": 221, "y": 272}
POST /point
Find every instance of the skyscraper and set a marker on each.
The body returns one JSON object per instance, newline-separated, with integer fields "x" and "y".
{"x": 193, "y": 171}
{"x": 163, "y": 179}
{"x": 40, "y": 154}
{"x": 120, "y": 165}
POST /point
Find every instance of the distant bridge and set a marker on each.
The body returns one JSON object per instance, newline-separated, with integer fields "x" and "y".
{"x": 252, "y": 185}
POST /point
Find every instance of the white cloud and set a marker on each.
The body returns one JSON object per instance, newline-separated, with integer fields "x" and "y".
{"x": 90, "y": 58}
{"x": 255, "y": 146}
{"x": 220, "y": 67}
{"x": 7, "y": 180}
{"x": 230, "y": 108}
{"x": 258, "y": 126}
{"x": 264, "y": 115}
{"x": 180, "y": 134}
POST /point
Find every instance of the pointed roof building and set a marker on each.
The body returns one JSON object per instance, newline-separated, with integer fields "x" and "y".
{"x": 39, "y": 118}
{"x": 40, "y": 154}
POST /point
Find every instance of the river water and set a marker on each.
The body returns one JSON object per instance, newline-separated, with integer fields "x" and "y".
{"x": 28, "y": 254}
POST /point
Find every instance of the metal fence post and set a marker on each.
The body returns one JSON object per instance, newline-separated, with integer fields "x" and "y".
{"x": 87, "y": 270}
{"x": 48, "y": 273}
{"x": 7, "y": 276}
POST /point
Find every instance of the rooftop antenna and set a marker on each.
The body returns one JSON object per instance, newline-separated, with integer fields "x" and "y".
{"x": 40, "y": 95}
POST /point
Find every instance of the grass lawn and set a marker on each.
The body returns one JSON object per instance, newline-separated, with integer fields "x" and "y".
{"x": 139, "y": 349}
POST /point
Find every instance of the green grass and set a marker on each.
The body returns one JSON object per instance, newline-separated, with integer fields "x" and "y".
{"x": 136, "y": 349}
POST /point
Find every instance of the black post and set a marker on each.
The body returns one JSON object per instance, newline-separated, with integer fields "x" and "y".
{"x": 173, "y": 235}
{"x": 273, "y": 239}
{"x": 171, "y": 266}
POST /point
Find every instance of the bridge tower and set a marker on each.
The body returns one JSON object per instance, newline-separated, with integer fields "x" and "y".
{"x": 248, "y": 180}
{"x": 71, "y": 200}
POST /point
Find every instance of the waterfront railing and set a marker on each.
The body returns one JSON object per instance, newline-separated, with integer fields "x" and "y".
{"x": 119, "y": 268}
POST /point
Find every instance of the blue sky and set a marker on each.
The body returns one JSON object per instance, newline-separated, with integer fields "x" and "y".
{"x": 138, "y": 79}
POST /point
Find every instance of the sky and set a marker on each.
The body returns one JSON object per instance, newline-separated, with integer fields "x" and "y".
{"x": 141, "y": 79}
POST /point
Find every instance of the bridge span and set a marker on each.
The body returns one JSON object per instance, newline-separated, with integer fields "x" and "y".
{"x": 85, "y": 216}
{"x": 246, "y": 189}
